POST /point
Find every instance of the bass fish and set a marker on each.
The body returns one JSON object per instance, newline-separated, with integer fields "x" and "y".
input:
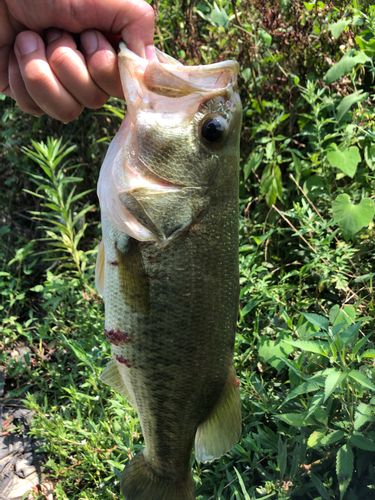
{"x": 168, "y": 266}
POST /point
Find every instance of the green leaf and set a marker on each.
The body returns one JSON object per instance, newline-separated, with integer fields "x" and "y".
{"x": 37, "y": 288}
{"x": 271, "y": 352}
{"x": 347, "y": 102}
{"x": 351, "y": 218}
{"x": 315, "y": 437}
{"x": 304, "y": 388}
{"x": 266, "y": 37}
{"x": 337, "y": 28}
{"x": 344, "y": 468}
{"x": 331, "y": 438}
{"x": 362, "y": 379}
{"x": 79, "y": 352}
{"x": 368, "y": 47}
{"x": 350, "y": 335}
{"x": 297, "y": 419}
{"x": 253, "y": 162}
{"x": 345, "y": 65}
{"x": 333, "y": 380}
{"x": 319, "y": 347}
{"x": 249, "y": 307}
{"x": 338, "y": 315}
{"x": 322, "y": 490}
{"x": 316, "y": 402}
{"x": 220, "y": 17}
{"x": 360, "y": 441}
{"x": 317, "y": 320}
{"x": 362, "y": 415}
{"x": 297, "y": 166}
{"x": 309, "y": 6}
{"x": 360, "y": 344}
{"x": 282, "y": 455}
{"x": 370, "y": 156}
{"x": 346, "y": 160}
{"x": 370, "y": 353}
{"x": 242, "y": 484}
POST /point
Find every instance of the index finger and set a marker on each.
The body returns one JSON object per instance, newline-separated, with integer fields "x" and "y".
{"x": 8, "y": 31}
{"x": 139, "y": 33}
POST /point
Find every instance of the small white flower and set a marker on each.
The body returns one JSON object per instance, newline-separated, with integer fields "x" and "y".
{"x": 94, "y": 348}
{"x": 83, "y": 441}
{"x": 101, "y": 485}
{"x": 97, "y": 397}
{"x": 115, "y": 483}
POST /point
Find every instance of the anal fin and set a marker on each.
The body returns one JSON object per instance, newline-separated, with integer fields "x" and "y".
{"x": 221, "y": 431}
{"x": 112, "y": 377}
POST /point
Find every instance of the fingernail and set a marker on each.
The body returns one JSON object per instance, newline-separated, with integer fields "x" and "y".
{"x": 27, "y": 43}
{"x": 89, "y": 42}
{"x": 53, "y": 34}
{"x": 150, "y": 52}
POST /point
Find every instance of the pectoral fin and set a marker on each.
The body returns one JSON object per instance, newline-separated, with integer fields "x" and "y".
{"x": 112, "y": 377}
{"x": 165, "y": 213}
{"x": 222, "y": 429}
{"x": 133, "y": 280}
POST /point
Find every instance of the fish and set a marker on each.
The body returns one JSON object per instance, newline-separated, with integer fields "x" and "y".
{"x": 167, "y": 266}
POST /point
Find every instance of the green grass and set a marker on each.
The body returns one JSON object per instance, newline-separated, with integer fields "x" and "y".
{"x": 304, "y": 349}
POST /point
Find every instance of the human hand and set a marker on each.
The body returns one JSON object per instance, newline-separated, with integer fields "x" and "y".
{"x": 40, "y": 65}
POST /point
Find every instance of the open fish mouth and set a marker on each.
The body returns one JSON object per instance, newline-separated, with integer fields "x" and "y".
{"x": 167, "y": 105}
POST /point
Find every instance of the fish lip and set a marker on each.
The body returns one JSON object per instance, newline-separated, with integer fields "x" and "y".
{"x": 170, "y": 79}
{"x": 230, "y": 65}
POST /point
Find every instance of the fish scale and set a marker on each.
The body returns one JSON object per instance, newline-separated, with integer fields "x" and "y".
{"x": 170, "y": 282}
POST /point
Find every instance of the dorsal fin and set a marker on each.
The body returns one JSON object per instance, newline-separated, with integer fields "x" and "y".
{"x": 99, "y": 269}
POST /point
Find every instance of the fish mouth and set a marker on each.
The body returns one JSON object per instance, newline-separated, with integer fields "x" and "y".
{"x": 165, "y": 83}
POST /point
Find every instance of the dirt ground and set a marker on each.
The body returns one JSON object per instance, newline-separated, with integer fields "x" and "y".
{"x": 21, "y": 465}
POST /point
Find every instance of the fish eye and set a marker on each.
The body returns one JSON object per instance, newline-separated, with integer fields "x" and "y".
{"x": 212, "y": 130}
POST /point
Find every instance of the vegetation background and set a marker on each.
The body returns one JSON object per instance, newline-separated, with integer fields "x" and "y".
{"x": 305, "y": 346}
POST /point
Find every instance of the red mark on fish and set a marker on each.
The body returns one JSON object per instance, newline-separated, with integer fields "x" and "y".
{"x": 121, "y": 359}
{"x": 116, "y": 336}
{"x": 113, "y": 263}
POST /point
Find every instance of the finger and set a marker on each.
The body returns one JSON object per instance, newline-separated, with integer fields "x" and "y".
{"x": 4, "y": 66}
{"x": 138, "y": 31}
{"x": 40, "y": 81}
{"x": 18, "y": 90}
{"x": 102, "y": 62}
{"x": 69, "y": 67}
{"x": 8, "y": 33}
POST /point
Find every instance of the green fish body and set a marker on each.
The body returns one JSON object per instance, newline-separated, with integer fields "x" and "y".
{"x": 168, "y": 267}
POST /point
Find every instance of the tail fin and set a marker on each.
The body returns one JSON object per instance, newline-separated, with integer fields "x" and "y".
{"x": 139, "y": 482}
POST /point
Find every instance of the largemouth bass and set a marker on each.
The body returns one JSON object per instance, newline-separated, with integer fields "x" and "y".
{"x": 168, "y": 266}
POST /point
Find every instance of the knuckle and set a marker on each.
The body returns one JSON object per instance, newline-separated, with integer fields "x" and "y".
{"x": 35, "y": 75}
{"x": 147, "y": 16}
{"x": 58, "y": 58}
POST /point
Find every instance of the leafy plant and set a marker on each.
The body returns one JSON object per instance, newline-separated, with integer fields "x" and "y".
{"x": 330, "y": 372}
{"x": 65, "y": 227}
